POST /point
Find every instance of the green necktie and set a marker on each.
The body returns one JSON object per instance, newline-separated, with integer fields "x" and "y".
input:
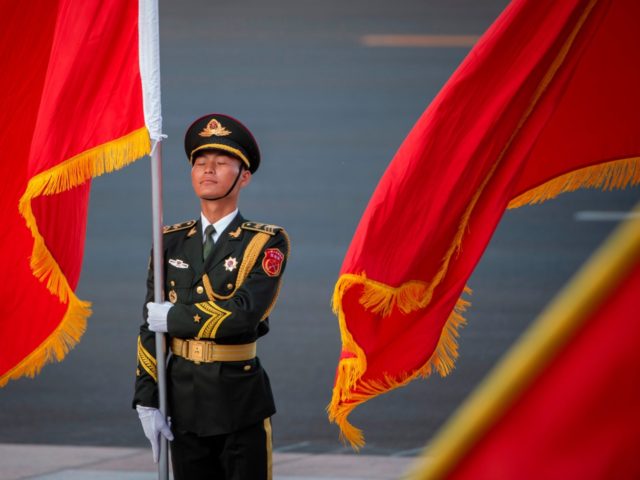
{"x": 208, "y": 242}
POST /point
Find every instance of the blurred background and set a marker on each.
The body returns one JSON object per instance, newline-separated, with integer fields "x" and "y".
{"x": 329, "y": 108}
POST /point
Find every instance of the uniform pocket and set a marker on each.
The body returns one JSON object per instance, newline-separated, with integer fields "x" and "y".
{"x": 178, "y": 284}
{"x": 179, "y": 277}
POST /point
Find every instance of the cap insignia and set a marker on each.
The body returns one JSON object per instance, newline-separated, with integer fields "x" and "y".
{"x": 214, "y": 127}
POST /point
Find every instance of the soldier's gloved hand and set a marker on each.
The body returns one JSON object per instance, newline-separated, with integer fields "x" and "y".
{"x": 157, "y": 316}
{"x": 154, "y": 425}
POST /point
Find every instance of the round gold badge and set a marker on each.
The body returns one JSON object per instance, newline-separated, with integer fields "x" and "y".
{"x": 173, "y": 296}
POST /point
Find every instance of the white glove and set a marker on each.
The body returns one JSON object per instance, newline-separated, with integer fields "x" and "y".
{"x": 153, "y": 425}
{"x": 157, "y": 316}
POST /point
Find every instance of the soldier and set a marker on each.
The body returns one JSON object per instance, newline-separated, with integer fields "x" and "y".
{"x": 223, "y": 276}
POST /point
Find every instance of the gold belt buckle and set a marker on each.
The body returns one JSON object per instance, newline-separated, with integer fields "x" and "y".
{"x": 196, "y": 350}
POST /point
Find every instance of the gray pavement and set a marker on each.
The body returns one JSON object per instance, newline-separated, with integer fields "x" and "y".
{"x": 329, "y": 114}
{"x": 49, "y": 462}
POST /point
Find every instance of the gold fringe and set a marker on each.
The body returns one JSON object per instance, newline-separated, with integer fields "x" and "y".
{"x": 616, "y": 174}
{"x": 92, "y": 163}
{"x": 64, "y": 176}
{"x": 349, "y": 369}
{"x": 380, "y": 298}
{"x": 66, "y": 335}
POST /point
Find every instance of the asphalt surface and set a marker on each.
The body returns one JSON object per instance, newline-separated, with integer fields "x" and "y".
{"x": 329, "y": 114}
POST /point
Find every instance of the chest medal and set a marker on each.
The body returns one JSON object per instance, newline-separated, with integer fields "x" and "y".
{"x": 230, "y": 264}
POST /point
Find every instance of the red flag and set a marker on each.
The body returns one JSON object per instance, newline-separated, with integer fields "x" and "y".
{"x": 72, "y": 109}
{"x": 563, "y": 403}
{"x": 546, "y": 102}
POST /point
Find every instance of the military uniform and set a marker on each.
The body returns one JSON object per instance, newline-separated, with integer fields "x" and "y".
{"x": 226, "y": 300}
{"x": 217, "y": 390}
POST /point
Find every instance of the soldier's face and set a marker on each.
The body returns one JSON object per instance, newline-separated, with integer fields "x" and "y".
{"x": 214, "y": 172}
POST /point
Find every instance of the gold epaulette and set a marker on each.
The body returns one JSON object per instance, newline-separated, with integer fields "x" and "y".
{"x": 261, "y": 227}
{"x": 178, "y": 226}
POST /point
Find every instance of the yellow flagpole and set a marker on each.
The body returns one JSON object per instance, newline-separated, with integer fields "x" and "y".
{"x": 552, "y": 329}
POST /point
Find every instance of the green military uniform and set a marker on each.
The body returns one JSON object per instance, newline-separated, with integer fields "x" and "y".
{"x": 219, "y": 396}
{"x": 244, "y": 273}
{"x": 223, "y": 396}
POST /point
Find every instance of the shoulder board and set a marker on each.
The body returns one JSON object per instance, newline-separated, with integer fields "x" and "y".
{"x": 261, "y": 227}
{"x": 178, "y": 226}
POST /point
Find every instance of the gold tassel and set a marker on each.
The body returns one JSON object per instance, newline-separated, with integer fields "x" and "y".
{"x": 66, "y": 335}
{"x": 69, "y": 174}
{"x": 350, "y": 370}
{"x": 617, "y": 174}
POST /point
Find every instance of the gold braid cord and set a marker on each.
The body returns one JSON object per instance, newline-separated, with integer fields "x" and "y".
{"x": 251, "y": 255}
{"x": 217, "y": 314}
{"x": 147, "y": 361}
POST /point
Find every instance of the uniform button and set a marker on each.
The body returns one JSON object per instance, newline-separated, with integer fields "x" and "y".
{"x": 229, "y": 286}
{"x": 247, "y": 368}
{"x": 199, "y": 289}
{"x": 172, "y": 283}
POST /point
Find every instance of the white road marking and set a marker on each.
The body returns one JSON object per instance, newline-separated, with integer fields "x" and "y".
{"x": 408, "y": 453}
{"x": 419, "y": 40}
{"x": 291, "y": 446}
{"x": 604, "y": 216}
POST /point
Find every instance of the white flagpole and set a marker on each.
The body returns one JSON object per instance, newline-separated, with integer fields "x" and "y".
{"x": 149, "y": 52}
{"x": 158, "y": 293}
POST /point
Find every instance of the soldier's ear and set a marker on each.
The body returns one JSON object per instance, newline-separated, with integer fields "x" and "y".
{"x": 245, "y": 178}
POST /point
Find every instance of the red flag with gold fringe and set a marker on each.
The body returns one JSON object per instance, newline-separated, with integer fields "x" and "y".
{"x": 545, "y": 103}
{"x": 563, "y": 402}
{"x": 72, "y": 109}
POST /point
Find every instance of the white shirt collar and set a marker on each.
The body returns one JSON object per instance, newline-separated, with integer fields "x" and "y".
{"x": 220, "y": 225}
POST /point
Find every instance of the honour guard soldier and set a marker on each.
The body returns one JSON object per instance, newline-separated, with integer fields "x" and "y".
{"x": 223, "y": 276}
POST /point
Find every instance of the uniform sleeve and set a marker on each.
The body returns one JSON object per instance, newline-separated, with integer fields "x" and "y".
{"x": 242, "y": 313}
{"x": 146, "y": 388}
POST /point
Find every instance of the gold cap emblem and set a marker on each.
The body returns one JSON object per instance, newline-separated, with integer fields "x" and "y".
{"x": 214, "y": 127}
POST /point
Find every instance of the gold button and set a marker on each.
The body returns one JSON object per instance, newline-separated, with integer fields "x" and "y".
{"x": 247, "y": 368}
{"x": 172, "y": 283}
{"x": 229, "y": 286}
{"x": 199, "y": 289}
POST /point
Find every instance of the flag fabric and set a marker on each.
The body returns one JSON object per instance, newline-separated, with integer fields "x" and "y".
{"x": 546, "y": 102}
{"x": 73, "y": 107}
{"x": 563, "y": 403}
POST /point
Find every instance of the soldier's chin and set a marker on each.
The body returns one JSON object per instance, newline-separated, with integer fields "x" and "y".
{"x": 210, "y": 197}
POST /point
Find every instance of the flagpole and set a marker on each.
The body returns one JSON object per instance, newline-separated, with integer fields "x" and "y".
{"x": 158, "y": 293}
{"x": 149, "y": 47}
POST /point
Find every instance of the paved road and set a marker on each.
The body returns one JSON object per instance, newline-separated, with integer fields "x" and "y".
{"x": 329, "y": 114}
